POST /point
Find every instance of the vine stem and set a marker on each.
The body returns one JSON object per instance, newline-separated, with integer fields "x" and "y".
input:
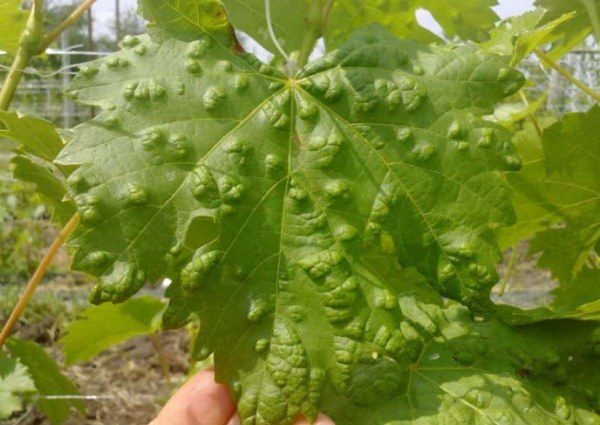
{"x": 534, "y": 120}
{"x": 562, "y": 71}
{"x": 590, "y": 6}
{"x": 70, "y": 20}
{"x": 37, "y": 277}
{"x": 24, "y": 54}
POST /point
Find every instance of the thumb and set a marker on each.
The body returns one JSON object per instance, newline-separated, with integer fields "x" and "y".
{"x": 200, "y": 401}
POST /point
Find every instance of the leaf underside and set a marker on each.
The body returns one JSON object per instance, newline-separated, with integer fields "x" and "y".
{"x": 283, "y": 208}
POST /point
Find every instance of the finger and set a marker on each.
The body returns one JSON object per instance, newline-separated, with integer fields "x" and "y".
{"x": 201, "y": 401}
{"x": 235, "y": 420}
{"x": 321, "y": 420}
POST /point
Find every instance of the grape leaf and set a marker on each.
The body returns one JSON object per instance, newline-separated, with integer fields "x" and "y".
{"x": 574, "y": 31}
{"x": 35, "y": 136}
{"x": 38, "y": 144}
{"x": 532, "y": 191}
{"x": 14, "y": 380}
{"x": 48, "y": 379}
{"x": 577, "y": 299}
{"x": 13, "y": 20}
{"x": 556, "y": 197}
{"x": 265, "y": 198}
{"x": 521, "y": 35}
{"x": 102, "y": 327}
{"x": 572, "y": 152}
{"x": 465, "y": 372}
{"x": 288, "y": 19}
{"x": 184, "y": 19}
{"x": 468, "y": 20}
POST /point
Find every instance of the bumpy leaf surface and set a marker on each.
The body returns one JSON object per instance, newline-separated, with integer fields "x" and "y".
{"x": 13, "y": 20}
{"x": 104, "y": 326}
{"x": 14, "y": 381}
{"x": 465, "y": 372}
{"x": 282, "y": 205}
{"x": 48, "y": 379}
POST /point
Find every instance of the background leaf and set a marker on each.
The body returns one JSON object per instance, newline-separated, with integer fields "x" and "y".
{"x": 14, "y": 382}
{"x": 13, "y": 20}
{"x": 572, "y": 153}
{"x": 48, "y": 379}
{"x": 573, "y": 32}
{"x": 468, "y": 20}
{"x": 521, "y": 35}
{"x": 34, "y": 135}
{"x": 102, "y": 327}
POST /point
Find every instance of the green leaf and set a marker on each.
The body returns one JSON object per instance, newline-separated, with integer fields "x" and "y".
{"x": 14, "y": 381}
{"x": 576, "y": 299}
{"x": 184, "y": 19}
{"x": 557, "y": 197}
{"x": 572, "y": 32}
{"x": 35, "y": 136}
{"x": 48, "y": 379}
{"x": 38, "y": 144}
{"x": 466, "y": 372}
{"x": 13, "y": 20}
{"x": 532, "y": 191}
{"x": 521, "y": 35}
{"x": 283, "y": 206}
{"x": 572, "y": 155}
{"x": 288, "y": 20}
{"x": 102, "y": 327}
{"x": 48, "y": 185}
{"x": 468, "y": 20}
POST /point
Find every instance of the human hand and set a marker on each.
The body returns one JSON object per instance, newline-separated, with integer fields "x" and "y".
{"x": 201, "y": 401}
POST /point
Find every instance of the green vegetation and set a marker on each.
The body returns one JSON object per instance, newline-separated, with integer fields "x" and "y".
{"x": 334, "y": 225}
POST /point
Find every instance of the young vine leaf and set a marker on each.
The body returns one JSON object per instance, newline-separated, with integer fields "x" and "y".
{"x": 104, "y": 326}
{"x": 48, "y": 380}
{"x": 571, "y": 33}
{"x": 468, "y": 20}
{"x": 519, "y": 36}
{"x": 14, "y": 381}
{"x": 38, "y": 144}
{"x": 13, "y": 20}
{"x": 272, "y": 203}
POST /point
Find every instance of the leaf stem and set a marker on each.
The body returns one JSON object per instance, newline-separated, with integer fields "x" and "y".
{"x": 592, "y": 11}
{"x": 315, "y": 23}
{"x": 37, "y": 277}
{"x": 534, "y": 120}
{"x": 509, "y": 270}
{"x": 562, "y": 71}
{"x": 70, "y": 20}
{"x": 24, "y": 53}
{"x": 272, "y": 33}
{"x": 162, "y": 358}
